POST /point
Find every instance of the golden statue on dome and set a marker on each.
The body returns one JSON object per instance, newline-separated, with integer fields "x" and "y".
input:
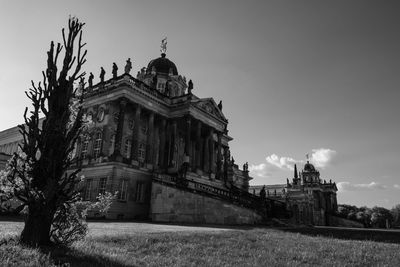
{"x": 163, "y": 49}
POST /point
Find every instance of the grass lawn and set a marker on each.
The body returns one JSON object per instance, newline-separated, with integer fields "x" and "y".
{"x": 140, "y": 244}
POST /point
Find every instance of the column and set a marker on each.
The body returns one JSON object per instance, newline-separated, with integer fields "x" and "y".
{"x": 218, "y": 173}
{"x": 206, "y": 154}
{"x": 136, "y": 136}
{"x": 198, "y": 146}
{"x": 174, "y": 130}
{"x": 150, "y": 140}
{"x": 212, "y": 152}
{"x": 120, "y": 129}
{"x": 163, "y": 129}
{"x": 187, "y": 139}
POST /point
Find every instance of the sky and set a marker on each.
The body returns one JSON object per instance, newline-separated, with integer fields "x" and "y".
{"x": 295, "y": 77}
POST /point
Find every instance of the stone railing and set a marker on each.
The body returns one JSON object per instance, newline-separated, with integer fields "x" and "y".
{"x": 267, "y": 207}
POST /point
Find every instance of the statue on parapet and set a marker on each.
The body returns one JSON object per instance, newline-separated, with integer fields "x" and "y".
{"x": 190, "y": 87}
{"x": 128, "y": 66}
{"x": 82, "y": 83}
{"x": 102, "y": 74}
{"x": 263, "y": 193}
{"x": 91, "y": 77}
{"x": 114, "y": 70}
{"x": 246, "y": 167}
{"x": 220, "y": 105}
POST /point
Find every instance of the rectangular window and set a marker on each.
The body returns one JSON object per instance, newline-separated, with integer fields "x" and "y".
{"x": 123, "y": 190}
{"x": 102, "y": 185}
{"x": 88, "y": 190}
{"x": 127, "y": 149}
{"x": 142, "y": 152}
{"x": 85, "y": 146}
{"x": 140, "y": 192}
{"x": 97, "y": 145}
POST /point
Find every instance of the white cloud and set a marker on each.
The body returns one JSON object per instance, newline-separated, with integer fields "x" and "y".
{"x": 281, "y": 162}
{"x": 396, "y": 186}
{"x": 260, "y": 170}
{"x": 322, "y": 157}
{"x": 347, "y": 186}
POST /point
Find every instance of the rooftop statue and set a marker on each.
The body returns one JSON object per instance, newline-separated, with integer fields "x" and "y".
{"x": 91, "y": 76}
{"x": 128, "y": 66}
{"x": 190, "y": 87}
{"x": 102, "y": 74}
{"x": 220, "y": 105}
{"x": 114, "y": 70}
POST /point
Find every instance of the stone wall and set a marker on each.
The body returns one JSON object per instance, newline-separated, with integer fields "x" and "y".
{"x": 169, "y": 204}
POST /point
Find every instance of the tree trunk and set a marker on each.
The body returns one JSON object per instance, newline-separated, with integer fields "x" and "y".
{"x": 37, "y": 226}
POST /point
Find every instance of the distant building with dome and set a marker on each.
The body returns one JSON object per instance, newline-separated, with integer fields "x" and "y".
{"x": 310, "y": 199}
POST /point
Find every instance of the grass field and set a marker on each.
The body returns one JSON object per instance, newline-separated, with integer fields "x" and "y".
{"x": 140, "y": 244}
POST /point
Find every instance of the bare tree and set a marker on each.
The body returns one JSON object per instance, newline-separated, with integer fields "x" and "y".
{"x": 41, "y": 180}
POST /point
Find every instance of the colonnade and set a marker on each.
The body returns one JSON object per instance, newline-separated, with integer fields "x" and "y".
{"x": 164, "y": 142}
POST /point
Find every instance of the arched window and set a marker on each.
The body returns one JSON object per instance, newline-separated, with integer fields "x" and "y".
{"x": 127, "y": 148}
{"x": 97, "y": 145}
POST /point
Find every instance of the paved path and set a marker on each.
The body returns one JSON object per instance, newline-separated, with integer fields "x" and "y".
{"x": 124, "y": 228}
{"x": 102, "y": 228}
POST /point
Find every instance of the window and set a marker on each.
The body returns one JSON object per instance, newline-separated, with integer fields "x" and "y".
{"x": 127, "y": 148}
{"x": 112, "y": 145}
{"x": 102, "y": 185}
{"x": 123, "y": 190}
{"x": 97, "y": 145}
{"x": 140, "y": 192}
{"x": 142, "y": 152}
{"x": 88, "y": 190}
{"x": 85, "y": 146}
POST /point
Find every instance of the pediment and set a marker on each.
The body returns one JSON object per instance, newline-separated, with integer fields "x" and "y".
{"x": 209, "y": 106}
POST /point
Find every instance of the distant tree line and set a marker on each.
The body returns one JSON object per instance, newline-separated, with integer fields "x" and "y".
{"x": 378, "y": 217}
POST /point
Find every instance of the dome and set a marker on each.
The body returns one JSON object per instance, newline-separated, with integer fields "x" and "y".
{"x": 162, "y": 65}
{"x": 309, "y": 167}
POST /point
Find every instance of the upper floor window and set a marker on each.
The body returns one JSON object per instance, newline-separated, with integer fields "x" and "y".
{"x": 85, "y": 146}
{"x": 142, "y": 152}
{"x": 97, "y": 145}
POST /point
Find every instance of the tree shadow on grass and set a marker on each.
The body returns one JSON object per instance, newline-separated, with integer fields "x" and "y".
{"x": 350, "y": 234}
{"x": 63, "y": 256}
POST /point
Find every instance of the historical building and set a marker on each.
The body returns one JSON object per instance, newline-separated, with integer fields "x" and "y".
{"x": 310, "y": 199}
{"x": 145, "y": 136}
